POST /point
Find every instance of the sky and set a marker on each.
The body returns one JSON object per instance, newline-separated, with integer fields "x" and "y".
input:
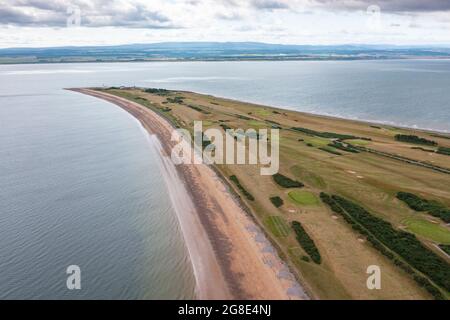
{"x": 43, "y": 23}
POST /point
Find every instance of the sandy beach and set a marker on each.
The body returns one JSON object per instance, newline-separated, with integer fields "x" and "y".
{"x": 231, "y": 256}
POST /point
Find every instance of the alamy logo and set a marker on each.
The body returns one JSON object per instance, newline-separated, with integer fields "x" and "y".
{"x": 236, "y": 146}
{"x": 74, "y": 279}
{"x": 74, "y": 17}
{"x": 374, "y": 280}
{"x": 374, "y": 18}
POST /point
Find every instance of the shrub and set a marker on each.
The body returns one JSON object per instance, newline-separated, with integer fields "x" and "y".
{"x": 247, "y": 194}
{"x": 286, "y": 182}
{"x": 416, "y": 203}
{"x": 406, "y": 245}
{"x": 445, "y": 248}
{"x": 178, "y": 100}
{"x": 159, "y": 92}
{"x": 331, "y": 151}
{"x": 276, "y": 201}
{"x": 306, "y": 242}
{"x": 328, "y": 135}
{"x": 198, "y": 109}
{"x": 341, "y": 146}
{"x": 444, "y": 150}
{"x": 414, "y": 139}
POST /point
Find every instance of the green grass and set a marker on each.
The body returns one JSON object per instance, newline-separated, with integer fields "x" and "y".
{"x": 263, "y": 112}
{"x": 257, "y": 124}
{"x": 278, "y": 226}
{"x": 303, "y": 198}
{"x": 317, "y": 142}
{"x": 309, "y": 177}
{"x": 207, "y": 123}
{"x": 428, "y": 229}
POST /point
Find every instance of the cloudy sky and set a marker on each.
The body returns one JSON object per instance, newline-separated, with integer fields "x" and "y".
{"x": 41, "y": 23}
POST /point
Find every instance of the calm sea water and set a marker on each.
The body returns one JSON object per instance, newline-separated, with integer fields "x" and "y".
{"x": 80, "y": 183}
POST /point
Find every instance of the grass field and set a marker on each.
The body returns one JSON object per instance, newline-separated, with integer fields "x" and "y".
{"x": 278, "y": 226}
{"x": 358, "y": 142}
{"x": 368, "y": 179}
{"x": 304, "y": 198}
{"x": 429, "y": 230}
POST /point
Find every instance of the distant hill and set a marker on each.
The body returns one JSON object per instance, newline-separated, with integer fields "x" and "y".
{"x": 215, "y": 51}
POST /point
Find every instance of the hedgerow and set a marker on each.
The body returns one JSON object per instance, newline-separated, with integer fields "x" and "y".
{"x": 306, "y": 242}
{"x": 385, "y": 238}
{"x": 286, "y": 182}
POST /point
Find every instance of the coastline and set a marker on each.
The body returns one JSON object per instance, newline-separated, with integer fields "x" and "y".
{"x": 231, "y": 256}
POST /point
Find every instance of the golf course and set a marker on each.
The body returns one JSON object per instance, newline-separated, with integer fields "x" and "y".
{"x": 333, "y": 209}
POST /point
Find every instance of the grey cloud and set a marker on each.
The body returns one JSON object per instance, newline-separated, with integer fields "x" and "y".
{"x": 94, "y": 13}
{"x": 269, "y": 4}
{"x": 395, "y": 6}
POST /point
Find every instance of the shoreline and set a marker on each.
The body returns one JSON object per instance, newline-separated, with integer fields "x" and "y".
{"x": 231, "y": 256}
{"x": 385, "y": 123}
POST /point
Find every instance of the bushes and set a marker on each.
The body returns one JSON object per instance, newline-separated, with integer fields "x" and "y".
{"x": 406, "y": 245}
{"x": 277, "y": 201}
{"x": 286, "y": 182}
{"x": 414, "y": 139}
{"x": 159, "y": 92}
{"x": 177, "y": 99}
{"x": 225, "y": 127}
{"x": 306, "y": 242}
{"x": 247, "y": 194}
{"x": 341, "y": 146}
{"x": 328, "y": 135}
{"x": 422, "y": 149}
{"x": 445, "y": 248}
{"x": 198, "y": 109}
{"x": 434, "y": 208}
{"x": 443, "y": 150}
{"x": 329, "y": 150}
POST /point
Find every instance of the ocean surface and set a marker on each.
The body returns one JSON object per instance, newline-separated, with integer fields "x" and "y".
{"x": 81, "y": 182}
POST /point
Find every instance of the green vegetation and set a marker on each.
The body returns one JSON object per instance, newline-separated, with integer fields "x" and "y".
{"x": 158, "y": 92}
{"x": 339, "y": 145}
{"x": 240, "y": 116}
{"x": 422, "y": 149}
{"x": 428, "y": 229}
{"x": 247, "y": 194}
{"x": 434, "y": 208}
{"x": 419, "y": 163}
{"x": 277, "y": 201}
{"x": 414, "y": 139}
{"x": 439, "y": 136}
{"x": 196, "y": 108}
{"x": 331, "y": 150}
{"x": 286, "y": 182}
{"x": 176, "y": 99}
{"x": 445, "y": 248}
{"x": 304, "y": 198}
{"x": 382, "y": 234}
{"x": 306, "y": 242}
{"x": 278, "y": 226}
{"x": 327, "y": 135}
{"x": 317, "y": 142}
{"x": 225, "y": 127}
{"x": 443, "y": 150}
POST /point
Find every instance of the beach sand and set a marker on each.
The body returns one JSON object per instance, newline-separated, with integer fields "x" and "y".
{"x": 231, "y": 256}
